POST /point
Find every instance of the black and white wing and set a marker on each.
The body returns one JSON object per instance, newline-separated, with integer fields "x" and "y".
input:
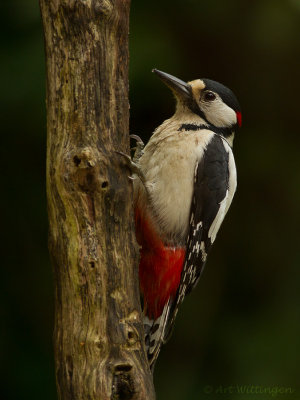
{"x": 214, "y": 187}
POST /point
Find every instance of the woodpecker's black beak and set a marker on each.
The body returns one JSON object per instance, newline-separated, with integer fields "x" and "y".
{"x": 179, "y": 87}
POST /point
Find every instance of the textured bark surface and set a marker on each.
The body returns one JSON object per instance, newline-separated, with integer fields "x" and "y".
{"x": 98, "y": 338}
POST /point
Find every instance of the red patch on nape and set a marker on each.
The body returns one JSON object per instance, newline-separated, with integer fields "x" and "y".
{"x": 160, "y": 267}
{"x": 239, "y": 118}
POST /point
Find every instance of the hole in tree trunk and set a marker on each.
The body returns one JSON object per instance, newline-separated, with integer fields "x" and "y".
{"x": 76, "y": 160}
{"x": 130, "y": 335}
{"x": 122, "y": 383}
{"x": 123, "y": 368}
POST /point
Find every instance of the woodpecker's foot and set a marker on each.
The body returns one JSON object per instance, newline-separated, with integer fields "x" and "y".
{"x": 133, "y": 166}
{"x": 138, "y": 149}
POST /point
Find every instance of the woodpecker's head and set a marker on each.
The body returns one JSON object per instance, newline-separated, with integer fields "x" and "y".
{"x": 212, "y": 101}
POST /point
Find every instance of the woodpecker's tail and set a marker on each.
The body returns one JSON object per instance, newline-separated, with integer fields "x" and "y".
{"x": 155, "y": 331}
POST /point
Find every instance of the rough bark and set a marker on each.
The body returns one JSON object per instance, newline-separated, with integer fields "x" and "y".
{"x": 98, "y": 338}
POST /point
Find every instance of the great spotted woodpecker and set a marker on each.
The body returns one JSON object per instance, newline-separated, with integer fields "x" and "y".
{"x": 187, "y": 182}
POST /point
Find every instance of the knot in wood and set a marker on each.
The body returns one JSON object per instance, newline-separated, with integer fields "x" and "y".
{"x": 84, "y": 158}
{"x": 84, "y": 169}
{"x": 129, "y": 327}
{"x": 103, "y": 8}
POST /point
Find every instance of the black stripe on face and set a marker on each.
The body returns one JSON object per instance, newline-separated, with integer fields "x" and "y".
{"x": 192, "y": 127}
{"x": 225, "y": 132}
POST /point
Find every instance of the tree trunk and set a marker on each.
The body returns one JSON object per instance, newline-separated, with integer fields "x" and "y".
{"x": 98, "y": 338}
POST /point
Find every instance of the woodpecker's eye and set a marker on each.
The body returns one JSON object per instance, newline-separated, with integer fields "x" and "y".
{"x": 209, "y": 96}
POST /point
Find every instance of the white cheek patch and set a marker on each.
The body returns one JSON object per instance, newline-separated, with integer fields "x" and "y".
{"x": 218, "y": 113}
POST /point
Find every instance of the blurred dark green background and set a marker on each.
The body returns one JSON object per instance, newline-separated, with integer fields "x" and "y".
{"x": 241, "y": 325}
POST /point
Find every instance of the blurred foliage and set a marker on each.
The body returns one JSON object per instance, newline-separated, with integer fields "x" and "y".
{"x": 241, "y": 325}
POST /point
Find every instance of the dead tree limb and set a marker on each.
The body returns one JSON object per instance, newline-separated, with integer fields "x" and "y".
{"x": 98, "y": 338}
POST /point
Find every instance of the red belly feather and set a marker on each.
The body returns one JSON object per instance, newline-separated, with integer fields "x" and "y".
{"x": 160, "y": 267}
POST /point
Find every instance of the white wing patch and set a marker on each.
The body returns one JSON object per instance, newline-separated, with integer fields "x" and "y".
{"x": 225, "y": 203}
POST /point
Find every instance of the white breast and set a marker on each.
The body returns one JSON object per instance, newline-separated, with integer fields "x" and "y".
{"x": 168, "y": 164}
